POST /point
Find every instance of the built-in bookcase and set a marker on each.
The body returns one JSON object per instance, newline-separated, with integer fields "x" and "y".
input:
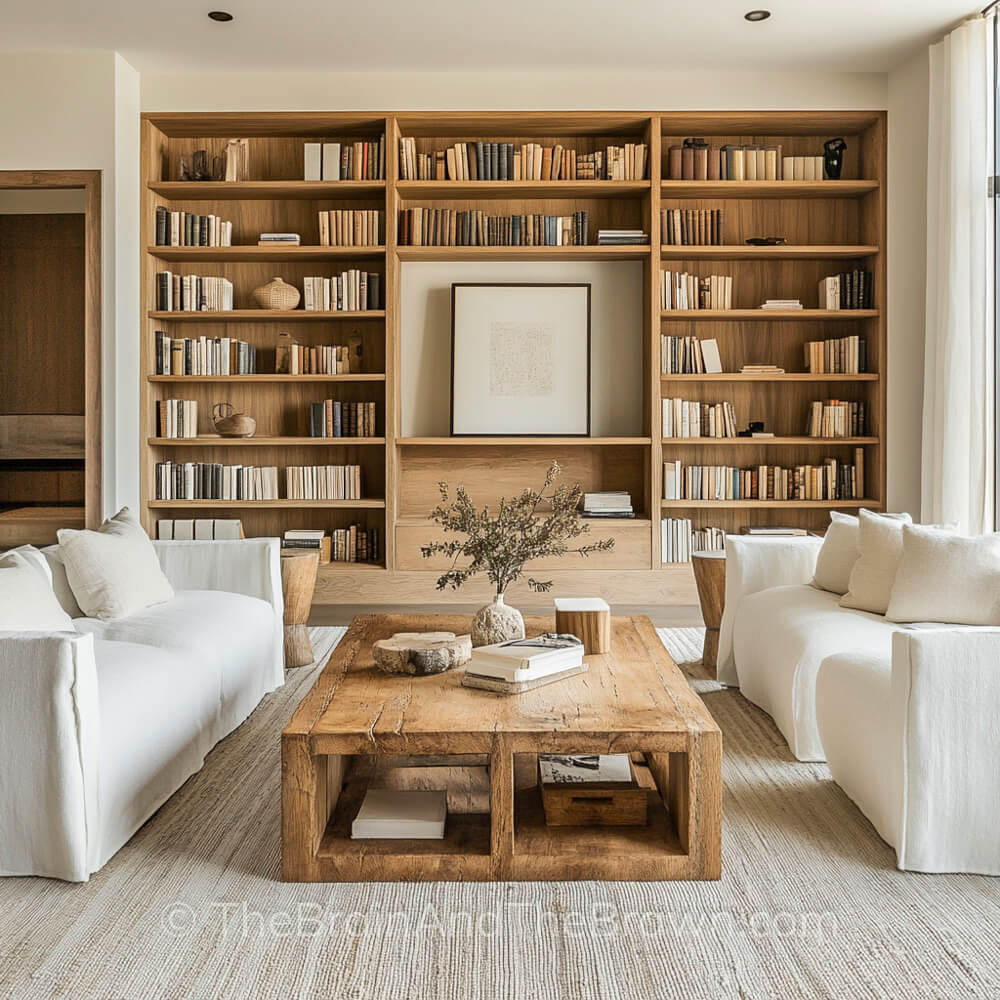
{"x": 829, "y": 226}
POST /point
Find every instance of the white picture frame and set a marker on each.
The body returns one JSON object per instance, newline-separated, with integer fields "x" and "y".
{"x": 520, "y": 359}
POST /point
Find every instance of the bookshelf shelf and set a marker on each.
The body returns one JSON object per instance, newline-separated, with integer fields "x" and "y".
{"x": 742, "y": 251}
{"x": 743, "y": 442}
{"x": 505, "y": 190}
{"x": 830, "y": 226}
{"x": 215, "y": 441}
{"x": 265, "y": 316}
{"x": 254, "y": 253}
{"x": 265, "y": 190}
{"x": 524, "y": 253}
{"x": 767, "y": 189}
{"x": 264, "y": 379}
{"x": 768, "y": 315}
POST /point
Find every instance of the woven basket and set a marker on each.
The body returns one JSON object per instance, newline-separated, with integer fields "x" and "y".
{"x": 276, "y": 295}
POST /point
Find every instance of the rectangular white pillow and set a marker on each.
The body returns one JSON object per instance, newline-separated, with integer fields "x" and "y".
{"x": 113, "y": 571}
{"x": 880, "y": 545}
{"x": 839, "y": 551}
{"x": 27, "y": 603}
{"x": 943, "y": 577}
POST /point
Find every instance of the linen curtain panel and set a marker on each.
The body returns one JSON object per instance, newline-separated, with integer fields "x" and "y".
{"x": 958, "y": 418}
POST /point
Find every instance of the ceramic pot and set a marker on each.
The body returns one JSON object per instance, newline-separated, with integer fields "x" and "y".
{"x": 276, "y": 294}
{"x": 497, "y": 622}
{"x": 229, "y": 423}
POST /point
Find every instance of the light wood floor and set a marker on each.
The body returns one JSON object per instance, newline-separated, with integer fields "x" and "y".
{"x": 662, "y": 616}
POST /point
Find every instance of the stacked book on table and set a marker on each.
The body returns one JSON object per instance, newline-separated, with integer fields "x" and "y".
{"x": 523, "y": 664}
{"x": 616, "y": 504}
{"x": 621, "y": 237}
{"x": 781, "y": 304}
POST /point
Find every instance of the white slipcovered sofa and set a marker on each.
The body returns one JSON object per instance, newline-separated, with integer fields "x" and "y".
{"x": 904, "y": 715}
{"x": 100, "y": 726}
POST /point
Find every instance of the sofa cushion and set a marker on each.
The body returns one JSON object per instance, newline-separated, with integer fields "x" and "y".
{"x": 113, "y": 571}
{"x": 230, "y": 636}
{"x": 839, "y": 552}
{"x": 780, "y": 637}
{"x": 27, "y": 603}
{"x": 943, "y": 577}
{"x": 880, "y": 545}
{"x": 60, "y": 582}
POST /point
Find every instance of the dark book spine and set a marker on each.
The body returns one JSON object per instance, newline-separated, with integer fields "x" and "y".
{"x": 162, "y": 225}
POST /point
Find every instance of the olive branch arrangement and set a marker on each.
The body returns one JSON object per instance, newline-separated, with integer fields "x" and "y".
{"x": 500, "y": 544}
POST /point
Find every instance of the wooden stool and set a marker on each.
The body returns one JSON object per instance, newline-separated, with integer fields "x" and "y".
{"x": 298, "y": 581}
{"x": 710, "y": 578}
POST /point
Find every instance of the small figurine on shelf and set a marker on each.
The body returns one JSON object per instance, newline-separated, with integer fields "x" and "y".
{"x": 833, "y": 158}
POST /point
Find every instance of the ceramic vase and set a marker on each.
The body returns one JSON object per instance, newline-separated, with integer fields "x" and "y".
{"x": 497, "y": 622}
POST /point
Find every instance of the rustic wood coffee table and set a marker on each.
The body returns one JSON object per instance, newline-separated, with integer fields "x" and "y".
{"x": 632, "y": 699}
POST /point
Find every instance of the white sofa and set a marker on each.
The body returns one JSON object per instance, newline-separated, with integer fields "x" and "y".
{"x": 99, "y": 727}
{"x": 904, "y": 714}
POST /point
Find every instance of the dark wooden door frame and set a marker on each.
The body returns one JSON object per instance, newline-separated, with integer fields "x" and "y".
{"x": 89, "y": 181}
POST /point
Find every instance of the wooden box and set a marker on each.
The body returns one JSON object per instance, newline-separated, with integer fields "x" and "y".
{"x": 588, "y": 618}
{"x": 595, "y": 803}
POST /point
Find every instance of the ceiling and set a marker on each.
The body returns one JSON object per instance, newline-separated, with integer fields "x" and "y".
{"x": 442, "y": 35}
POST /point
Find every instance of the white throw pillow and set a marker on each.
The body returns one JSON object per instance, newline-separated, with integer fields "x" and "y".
{"x": 880, "y": 545}
{"x": 113, "y": 571}
{"x": 27, "y": 603}
{"x": 943, "y": 577}
{"x": 60, "y": 581}
{"x": 839, "y": 551}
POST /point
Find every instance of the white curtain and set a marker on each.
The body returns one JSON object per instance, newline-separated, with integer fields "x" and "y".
{"x": 958, "y": 418}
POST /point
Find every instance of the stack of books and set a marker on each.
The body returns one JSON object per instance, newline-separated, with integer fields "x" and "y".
{"x": 848, "y": 290}
{"x": 323, "y": 482}
{"x": 394, "y": 814}
{"x": 843, "y": 355}
{"x": 782, "y": 304}
{"x": 214, "y": 481}
{"x": 697, "y": 161}
{"x": 350, "y": 291}
{"x": 451, "y": 227}
{"x": 308, "y": 540}
{"x": 177, "y": 418}
{"x": 279, "y": 240}
{"x": 691, "y": 226}
{"x": 334, "y": 418}
{"x": 522, "y": 664}
{"x": 204, "y": 356}
{"x": 621, "y": 237}
{"x": 689, "y": 356}
{"x": 833, "y": 418}
{"x": 185, "y": 229}
{"x": 616, "y": 504}
{"x": 683, "y": 418}
{"x": 324, "y": 359}
{"x": 344, "y": 161}
{"x": 347, "y": 227}
{"x": 761, "y": 370}
{"x": 682, "y": 290}
{"x": 186, "y": 292}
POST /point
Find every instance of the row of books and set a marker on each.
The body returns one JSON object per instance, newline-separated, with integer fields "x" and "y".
{"x": 201, "y": 528}
{"x": 684, "y": 418}
{"x": 508, "y": 161}
{"x": 474, "y": 228}
{"x": 829, "y": 480}
{"x": 345, "y": 161}
{"x": 352, "y": 227}
{"x": 839, "y": 356}
{"x": 323, "y": 359}
{"x": 681, "y": 290}
{"x": 177, "y": 418}
{"x": 834, "y": 418}
{"x": 679, "y": 538}
{"x": 355, "y": 543}
{"x": 616, "y": 503}
{"x": 847, "y": 290}
{"x": 323, "y": 482}
{"x": 214, "y": 481}
{"x": 190, "y": 292}
{"x": 185, "y": 229}
{"x": 691, "y": 226}
{"x": 698, "y": 161}
{"x": 204, "y": 356}
{"x": 689, "y": 356}
{"x": 334, "y": 418}
{"x": 349, "y": 291}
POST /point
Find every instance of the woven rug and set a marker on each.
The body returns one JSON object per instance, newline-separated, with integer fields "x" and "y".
{"x": 810, "y": 903}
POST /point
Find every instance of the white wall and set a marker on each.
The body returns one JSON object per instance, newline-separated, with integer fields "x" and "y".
{"x": 61, "y": 111}
{"x": 907, "y": 274}
{"x": 616, "y": 338}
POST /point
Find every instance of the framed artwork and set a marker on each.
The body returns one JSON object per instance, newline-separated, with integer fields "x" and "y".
{"x": 520, "y": 359}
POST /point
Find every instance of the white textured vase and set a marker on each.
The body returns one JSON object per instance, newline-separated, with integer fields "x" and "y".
{"x": 497, "y": 622}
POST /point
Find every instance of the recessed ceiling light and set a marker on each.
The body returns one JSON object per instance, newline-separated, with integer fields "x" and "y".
{"x": 757, "y": 15}
{"x": 224, "y": 15}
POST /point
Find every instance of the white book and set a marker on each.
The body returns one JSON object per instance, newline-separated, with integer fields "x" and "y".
{"x": 331, "y": 161}
{"x": 165, "y": 529}
{"x": 519, "y": 660}
{"x": 584, "y": 769}
{"x": 710, "y": 354}
{"x": 305, "y": 534}
{"x": 183, "y": 529}
{"x": 313, "y": 162}
{"x": 391, "y": 814}
{"x": 226, "y": 528}
{"x": 204, "y": 529}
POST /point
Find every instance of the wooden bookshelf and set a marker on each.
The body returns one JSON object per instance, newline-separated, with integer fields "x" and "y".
{"x": 829, "y": 226}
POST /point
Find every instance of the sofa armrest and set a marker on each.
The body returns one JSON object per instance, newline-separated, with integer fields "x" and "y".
{"x": 250, "y": 566}
{"x": 755, "y": 563}
{"x": 945, "y": 693}
{"x": 49, "y": 737}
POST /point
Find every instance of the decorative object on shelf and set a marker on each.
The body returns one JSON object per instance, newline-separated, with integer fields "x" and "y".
{"x": 588, "y": 618}
{"x": 198, "y": 167}
{"x": 500, "y": 545}
{"x": 592, "y": 790}
{"x": 753, "y": 427}
{"x": 833, "y": 157}
{"x": 766, "y": 241}
{"x": 277, "y": 294}
{"x": 230, "y": 423}
{"x": 520, "y": 359}
{"x": 237, "y": 160}
{"x": 422, "y": 653}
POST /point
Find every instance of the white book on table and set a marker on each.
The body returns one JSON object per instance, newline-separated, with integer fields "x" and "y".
{"x": 392, "y": 814}
{"x": 520, "y": 661}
